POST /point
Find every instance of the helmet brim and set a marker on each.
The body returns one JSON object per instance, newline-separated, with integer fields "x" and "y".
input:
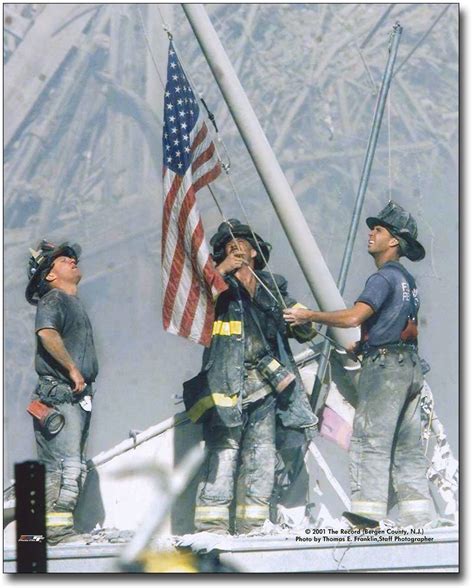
{"x": 414, "y": 250}
{"x": 73, "y": 251}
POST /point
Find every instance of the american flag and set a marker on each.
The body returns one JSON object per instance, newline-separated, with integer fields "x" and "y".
{"x": 189, "y": 279}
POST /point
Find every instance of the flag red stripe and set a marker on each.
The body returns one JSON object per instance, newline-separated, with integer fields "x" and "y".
{"x": 206, "y": 334}
{"x": 199, "y": 138}
{"x": 212, "y": 276}
{"x": 177, "y": 264}
{"x": 207, "y": 177}
{"x": 196, "y": 290}
{"x": 178, "y": 258}
{"x": 167, "y": 210}
{"x": 203, "y": 157}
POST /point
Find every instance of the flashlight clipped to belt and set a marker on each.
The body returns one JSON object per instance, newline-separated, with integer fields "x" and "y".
{"x": 48, "y": 417}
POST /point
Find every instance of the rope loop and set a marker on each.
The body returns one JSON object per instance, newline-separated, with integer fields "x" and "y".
{"x": 167, "y": 31}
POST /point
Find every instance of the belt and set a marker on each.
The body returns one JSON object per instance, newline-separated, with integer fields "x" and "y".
{"x": 389, "y": 348}
{"x": 55, "y": 380}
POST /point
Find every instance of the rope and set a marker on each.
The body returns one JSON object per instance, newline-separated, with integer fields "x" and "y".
{"x": 163, "y": 22}
{"x": 389, "y": 124}
{"x": 226, "y": 168}
{"x": 237, "y": 197}
{"x": 216, "y": 202}
{"x": 148, "y": 44}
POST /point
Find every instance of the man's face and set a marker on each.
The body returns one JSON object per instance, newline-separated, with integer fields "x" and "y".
{"x": 242, "y": 246}
{"x": 65, "y": 269}
{"x": 380, "y": 240}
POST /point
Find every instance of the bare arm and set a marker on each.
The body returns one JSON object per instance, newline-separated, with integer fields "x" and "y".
{"x": 346, "y": 318}
{"x": 54, "y": 345}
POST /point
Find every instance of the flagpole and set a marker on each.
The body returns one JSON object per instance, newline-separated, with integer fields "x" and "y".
{"x": 316, "y": 401}
{"x": 306, "y": 250}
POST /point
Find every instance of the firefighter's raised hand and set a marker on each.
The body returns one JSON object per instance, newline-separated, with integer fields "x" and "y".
{"x": 234, "y": 261}
{"x": 77, "y": 380}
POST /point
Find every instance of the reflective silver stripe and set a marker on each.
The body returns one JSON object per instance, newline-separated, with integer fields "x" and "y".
{"x": 252, "y": 511}
{"x": 415, "y": 506}
{"x": 369, "y": 508}
{"x": 206, "y": 513}
{"x": 59, "y": 519}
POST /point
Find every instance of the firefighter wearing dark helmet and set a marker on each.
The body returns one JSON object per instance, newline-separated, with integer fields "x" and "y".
{"x": 386, "y": 442}
{"x": 249, "y": 393}
{"x": 66, "y": 365}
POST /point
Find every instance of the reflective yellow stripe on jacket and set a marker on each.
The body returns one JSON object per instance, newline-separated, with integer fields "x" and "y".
{"x": 215, "y": 399}
{"x": 227, "y": 328}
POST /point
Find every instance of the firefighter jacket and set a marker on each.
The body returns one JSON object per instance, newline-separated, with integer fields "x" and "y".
{"x": 215, "y": 395}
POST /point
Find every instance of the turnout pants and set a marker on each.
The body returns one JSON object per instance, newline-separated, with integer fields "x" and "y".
{"x": 64, "y": 458}
{"x": 386, "y": 446}
{"x": 240, "y": 459}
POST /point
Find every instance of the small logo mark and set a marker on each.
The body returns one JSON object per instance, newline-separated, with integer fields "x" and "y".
{"x": 34, "y": 538}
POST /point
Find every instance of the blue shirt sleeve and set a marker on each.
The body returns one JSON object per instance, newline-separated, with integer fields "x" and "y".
{"x": 51, "y": 313}
{"x": 377, "y": 290}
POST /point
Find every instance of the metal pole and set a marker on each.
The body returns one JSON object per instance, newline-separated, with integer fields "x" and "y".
{"x": 364, "y": 180}
{"x": 374, "y": 134}
{"x": 307, "y": 252}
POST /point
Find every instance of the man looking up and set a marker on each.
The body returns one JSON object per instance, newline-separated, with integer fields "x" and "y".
{"x": 67, "y": 366}
{"x": 249, "y": 395}
{"x": 386, "y": 442}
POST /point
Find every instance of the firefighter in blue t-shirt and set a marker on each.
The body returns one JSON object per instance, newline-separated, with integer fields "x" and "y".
{"x": 386, "y": 445}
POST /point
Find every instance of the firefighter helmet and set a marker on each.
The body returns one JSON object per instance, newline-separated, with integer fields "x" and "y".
{"x": 402, "y": 226}
{"x": 233, "y": 228}
{"x": 40, "y": 263}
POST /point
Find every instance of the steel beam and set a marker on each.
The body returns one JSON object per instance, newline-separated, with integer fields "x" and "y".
{"x": 291, "y": 217}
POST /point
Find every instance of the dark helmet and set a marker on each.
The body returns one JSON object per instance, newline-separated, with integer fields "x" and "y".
{"x": 401, "y": 225}
{"x": 234, "y": 228}
{"x": 39, "y": 265}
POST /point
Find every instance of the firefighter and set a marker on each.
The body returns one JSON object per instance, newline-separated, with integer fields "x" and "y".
{"x": 249, "y": 392}
{"x": 386, "y": 444}
{"x": 67, "y": 367}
